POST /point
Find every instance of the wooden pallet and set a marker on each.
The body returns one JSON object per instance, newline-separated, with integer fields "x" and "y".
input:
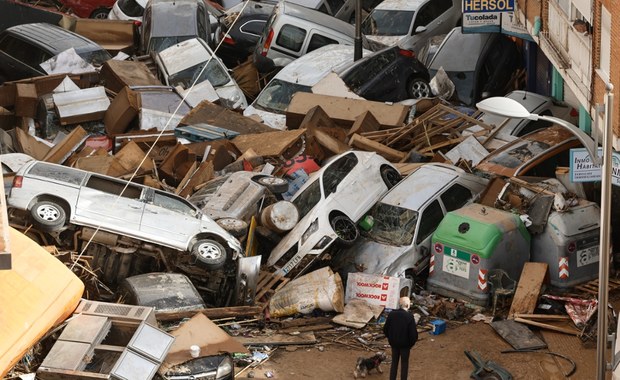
{"x": 592, "y": 286}
{"x": 269, "y": 283}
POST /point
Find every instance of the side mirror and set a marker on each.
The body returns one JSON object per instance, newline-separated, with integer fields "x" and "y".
{"x": 419, "y": 29}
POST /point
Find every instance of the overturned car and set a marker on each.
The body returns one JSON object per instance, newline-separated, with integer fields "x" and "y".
{"x": 119, "y": 219}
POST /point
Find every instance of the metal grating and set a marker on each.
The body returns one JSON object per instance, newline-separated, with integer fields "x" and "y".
{"x": 113, "y": 310}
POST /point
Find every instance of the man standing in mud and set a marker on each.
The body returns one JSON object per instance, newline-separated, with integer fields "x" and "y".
{"x": 401, "y": 331}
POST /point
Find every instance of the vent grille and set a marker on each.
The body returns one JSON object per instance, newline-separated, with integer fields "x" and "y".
{"x": 113, "y": 310}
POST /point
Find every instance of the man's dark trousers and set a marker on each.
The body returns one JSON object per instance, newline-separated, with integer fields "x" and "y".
{"x": 403, "y": 355}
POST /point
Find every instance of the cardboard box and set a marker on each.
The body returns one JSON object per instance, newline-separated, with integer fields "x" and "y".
{"x": 121, "y": 112}
{"x": 25, "y": 100}
{"x": 344, "y": 111}
{"x": 89, "y": 104}
{"x": 112, "y": 35}
{"x": 117, "y": 74}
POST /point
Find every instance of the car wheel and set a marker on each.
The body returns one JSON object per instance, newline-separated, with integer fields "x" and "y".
{"x": 237, "y": 227}
{"x": 209, "y": 253}
{"x": 48, "y": 215}
{"x": 101, "y": 13}
{"x": 274, "y": 184}
{"x": 390, "y": 176}
{"x": 345, "y": 229}
{"x": 419, "y": 88}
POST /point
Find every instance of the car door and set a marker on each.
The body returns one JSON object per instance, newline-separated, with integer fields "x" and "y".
{"x": 114, "y": 205}
{"x": 430, "y": 217}
{"x": 169, "y": 219}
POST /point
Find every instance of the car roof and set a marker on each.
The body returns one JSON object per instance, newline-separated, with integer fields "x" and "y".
{"x": 166, "y": 13}
{"x": 555, "y": 136}
{"x": 53, "y": 38}
{"x": 310, "y": 68}
{"x": 421, "y": 185}
{"x": 316, "y": 17}
{"x": 450, "y": 54}
{"x": 400, "y": 5}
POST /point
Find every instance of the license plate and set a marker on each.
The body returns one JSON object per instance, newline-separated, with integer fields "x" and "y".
{"x": 587, "y": 256}
{"x": 455, "y": 266}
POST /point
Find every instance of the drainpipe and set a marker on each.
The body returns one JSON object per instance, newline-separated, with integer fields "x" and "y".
{"x": 357, "y": 47}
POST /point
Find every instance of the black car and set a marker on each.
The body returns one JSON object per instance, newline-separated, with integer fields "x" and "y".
{"x": 239, "y": 30}
{"x": 388, "y": 75}
{"x": 24, "y": 47}
{"x": 480, "y": 65}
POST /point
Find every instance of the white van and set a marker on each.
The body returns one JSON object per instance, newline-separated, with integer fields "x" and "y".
{"x": 294, "y": 30}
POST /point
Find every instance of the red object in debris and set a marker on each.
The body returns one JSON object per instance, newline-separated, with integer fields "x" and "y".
{"x": 302, "y": 161}
{"x": 89, "y": 8}
{"x": 247, "y": 166}
{"x": 99, "y": 142}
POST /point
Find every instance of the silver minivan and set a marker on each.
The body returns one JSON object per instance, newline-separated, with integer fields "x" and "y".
{"x": 56, "y": 195}
{"x": 404, "y": 219}
{"x": 293, "y": 30}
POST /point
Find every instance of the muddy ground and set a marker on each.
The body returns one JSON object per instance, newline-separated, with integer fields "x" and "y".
{"x": 437, "y": 356}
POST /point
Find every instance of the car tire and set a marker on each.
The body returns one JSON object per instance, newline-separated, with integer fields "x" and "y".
{"x": 100, "y": 13}
{"x": 236, "y": 227}
{"x": 345, "y": 229}
{"x": 49, "y": 216}
{"x": 274, "y": 184}
{"x": 390, "y": 176}
{"x": 209, "y": 253}
{"x": 419, "y": 88}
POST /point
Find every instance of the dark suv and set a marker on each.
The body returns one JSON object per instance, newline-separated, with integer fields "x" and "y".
{"x": 24, "y": 47}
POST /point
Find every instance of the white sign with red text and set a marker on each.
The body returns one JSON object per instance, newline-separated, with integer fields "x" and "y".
{"x": 374, "y": 289}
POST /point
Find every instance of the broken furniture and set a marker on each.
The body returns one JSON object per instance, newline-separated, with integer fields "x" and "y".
{"x": 107, "y": 341}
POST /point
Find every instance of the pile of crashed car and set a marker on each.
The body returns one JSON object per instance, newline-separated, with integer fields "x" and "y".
{"x": 156, "y": 182}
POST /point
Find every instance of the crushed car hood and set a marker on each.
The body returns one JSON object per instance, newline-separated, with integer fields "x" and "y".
{"x": 371, "y": 257}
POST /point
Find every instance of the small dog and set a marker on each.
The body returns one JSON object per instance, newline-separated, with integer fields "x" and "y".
{"x": 365, "y": 365}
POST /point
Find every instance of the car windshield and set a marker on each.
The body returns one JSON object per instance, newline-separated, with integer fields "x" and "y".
{"x": 393, "y": 225}
{"x": 96, "y": 57}
{"x": 308, "y": 198}
{"x": 519, "y": 154}
{"x": 387, "y": 23}
{"x": 277, "y": 95}
{"x": 214, "y": 73}
{"x": 162, "y": 43}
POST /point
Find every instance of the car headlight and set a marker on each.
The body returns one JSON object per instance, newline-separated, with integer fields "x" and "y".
{"x": 224, "y": 369}
{"x": 314, "y": 226}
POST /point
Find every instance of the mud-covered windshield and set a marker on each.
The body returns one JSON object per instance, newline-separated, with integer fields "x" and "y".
{"x": 393, "y": 225}
{"x": 307, "y": 199}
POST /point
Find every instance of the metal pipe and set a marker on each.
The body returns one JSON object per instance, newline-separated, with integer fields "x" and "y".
{"x": 603, "y": 267}
{"x": 357, "y": 47}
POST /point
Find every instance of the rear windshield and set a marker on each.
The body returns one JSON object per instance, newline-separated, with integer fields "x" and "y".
{"x": 58, "y": 173}
{"x": 96, "y": 57}
{"x": 387, "y": 23}
{"x": 214, "y": 73}
{"x": 520, "y": 154}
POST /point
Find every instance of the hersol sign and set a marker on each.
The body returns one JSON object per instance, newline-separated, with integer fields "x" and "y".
{"x": 488, "y": 6}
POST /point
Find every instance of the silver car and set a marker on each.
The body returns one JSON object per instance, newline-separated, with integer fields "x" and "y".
{"x": 398, "y": 244}
{"x": 57, "y": 195}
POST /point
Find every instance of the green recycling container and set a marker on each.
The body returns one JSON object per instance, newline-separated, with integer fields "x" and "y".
{"x": 470, "y": 245}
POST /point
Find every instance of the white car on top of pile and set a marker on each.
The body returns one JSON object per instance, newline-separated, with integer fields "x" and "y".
{"x": 330, "y": 204}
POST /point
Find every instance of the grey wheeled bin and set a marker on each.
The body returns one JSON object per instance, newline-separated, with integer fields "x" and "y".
{"x": 569, "y": 244}
{"x": 469, "y": 245}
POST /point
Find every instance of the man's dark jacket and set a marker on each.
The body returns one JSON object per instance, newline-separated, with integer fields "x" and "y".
{"x": 400, "y": 329}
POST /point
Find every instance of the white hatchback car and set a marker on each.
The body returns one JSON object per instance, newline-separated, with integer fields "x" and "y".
{"x": 183, "y": 64}
{"x": 410, "y": 23}
{"x": 329, "y": 205}
{"x": 298, "y": 76}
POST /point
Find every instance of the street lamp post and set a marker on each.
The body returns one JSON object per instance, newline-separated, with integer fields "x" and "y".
{"x": 511, "y": 108}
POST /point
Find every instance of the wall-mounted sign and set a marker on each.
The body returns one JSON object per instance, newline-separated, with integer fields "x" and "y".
{"x": 582, "y": 169}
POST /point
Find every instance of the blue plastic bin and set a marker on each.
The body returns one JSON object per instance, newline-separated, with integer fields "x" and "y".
{"x": 439, "y": 327}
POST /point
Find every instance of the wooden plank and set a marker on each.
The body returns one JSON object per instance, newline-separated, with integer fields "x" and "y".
{"x": 548, "y": 326}
{"x": 542, "y": 316}
{"x": 323, "y": 326}
{"x": 212, "y": 313}
{"x": 365, "y": 122}
{"x": 364, "y": 143}
{"x": 285, "y": 324}
{"x": 528, "y": 289}
{"x": 278, "y": 339}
